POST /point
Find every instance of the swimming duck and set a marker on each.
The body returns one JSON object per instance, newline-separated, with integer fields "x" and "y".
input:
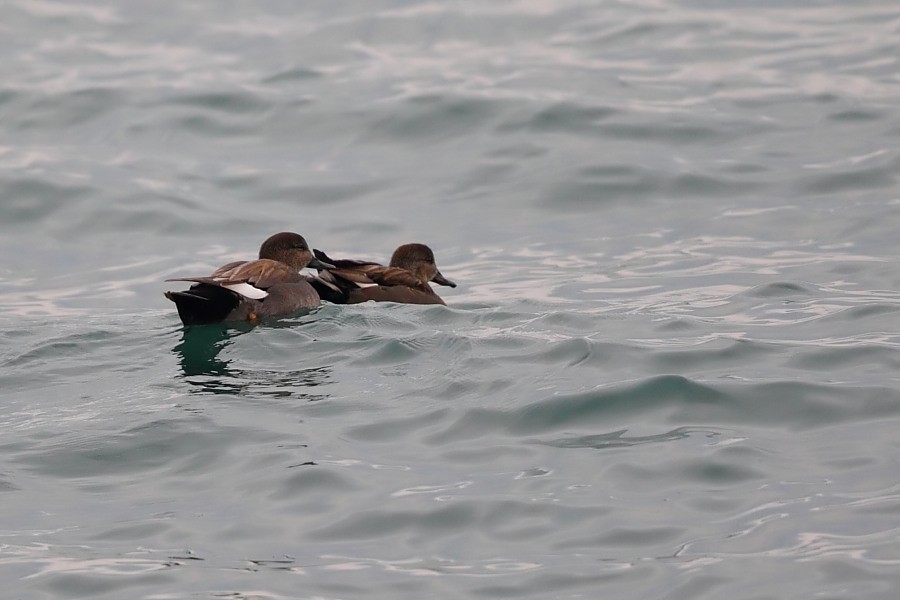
{"x": 405, "y": 280}
{"x": 250, "y": 290}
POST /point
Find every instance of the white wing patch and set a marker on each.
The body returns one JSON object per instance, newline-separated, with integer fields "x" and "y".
{"x": 365, "y": 285}
{"x": 246, "y": 290}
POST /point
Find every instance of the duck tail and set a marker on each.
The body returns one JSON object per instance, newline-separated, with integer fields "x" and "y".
{"x": 203, "y": 304}
{"x": 329, "y": 288}
{"x": 322, "y": 256}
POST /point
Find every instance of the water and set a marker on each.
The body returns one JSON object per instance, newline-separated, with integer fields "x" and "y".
{"x": 670, "y": 369}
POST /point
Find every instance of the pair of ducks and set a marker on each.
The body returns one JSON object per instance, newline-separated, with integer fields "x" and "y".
{"x": 273, "y": 286}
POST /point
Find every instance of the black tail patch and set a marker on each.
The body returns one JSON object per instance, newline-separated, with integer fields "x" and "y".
{"x": 203, "y": 304}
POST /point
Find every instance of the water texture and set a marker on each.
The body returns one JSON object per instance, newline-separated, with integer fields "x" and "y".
{"x": 670, "y": 369}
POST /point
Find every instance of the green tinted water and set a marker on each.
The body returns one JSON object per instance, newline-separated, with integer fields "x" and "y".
{"x": 669, "y": 370}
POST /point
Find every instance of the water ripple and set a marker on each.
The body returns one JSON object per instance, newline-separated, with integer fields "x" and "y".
{"x": 669, "y": 369}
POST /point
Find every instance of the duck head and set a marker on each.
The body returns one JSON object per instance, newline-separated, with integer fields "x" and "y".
{"x": 419, "y": 260}
{"x": 291, "y": 249}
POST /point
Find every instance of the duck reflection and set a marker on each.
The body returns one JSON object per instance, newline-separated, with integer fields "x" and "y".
{"x": 206, "y": 372}
{"x": 618, "y": 439}
{"x": 199, "y": 348}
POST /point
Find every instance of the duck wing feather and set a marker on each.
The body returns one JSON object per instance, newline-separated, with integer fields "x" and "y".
{"x": 261, "y": 274}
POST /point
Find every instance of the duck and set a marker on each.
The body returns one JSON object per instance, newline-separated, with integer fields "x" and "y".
{"x": 270, "y": 286}
{"x": 405, "y": 280}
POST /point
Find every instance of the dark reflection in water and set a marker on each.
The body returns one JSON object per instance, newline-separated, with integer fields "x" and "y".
{"x": 618, "y": 439}
{"x": 202, "y": 368}
{"x": 199, "y": 348}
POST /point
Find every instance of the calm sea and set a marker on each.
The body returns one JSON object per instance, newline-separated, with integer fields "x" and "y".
{"x": 671, "y": 369}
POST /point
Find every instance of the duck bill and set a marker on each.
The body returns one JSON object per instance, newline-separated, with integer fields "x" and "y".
{"x": 319, "y": 265}
{"x": 441, "y": 280}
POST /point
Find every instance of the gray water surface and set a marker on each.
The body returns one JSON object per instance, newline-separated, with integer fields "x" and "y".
{"x": 670, "y": 369}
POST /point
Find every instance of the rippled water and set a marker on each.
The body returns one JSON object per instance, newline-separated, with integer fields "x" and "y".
{"x": 670, "y": 369}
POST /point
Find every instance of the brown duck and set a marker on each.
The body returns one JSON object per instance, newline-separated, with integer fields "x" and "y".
{"x": 405, "y": 280}
{"x": 251, "y": 290}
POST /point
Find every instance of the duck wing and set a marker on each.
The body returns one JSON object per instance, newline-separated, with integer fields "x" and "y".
{"x": 374, "y": 274}
{"x": 343, "y": 263}
{"x": 249, "y": 278}
{"x": 262, "y": 273}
